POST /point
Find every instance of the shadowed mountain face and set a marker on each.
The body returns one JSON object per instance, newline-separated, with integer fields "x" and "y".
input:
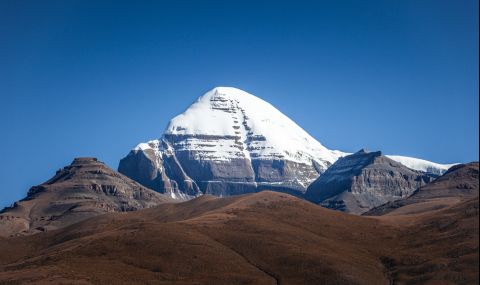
{"x": 262, "y": 238}
{"x": 161, "y": 172}
{"x": 459, "y": 183}
{"x": 363, "y": 180}
{"x": 81, "y": 190}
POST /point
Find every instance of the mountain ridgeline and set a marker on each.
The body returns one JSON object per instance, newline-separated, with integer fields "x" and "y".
{"x": 459, "y": 183}
{"x": 85, "y": 188}
{"x": 359, "y": 182}
{"x": 229, "y": 142}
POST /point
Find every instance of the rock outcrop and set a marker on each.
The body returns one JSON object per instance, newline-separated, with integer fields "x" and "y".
{"x": 359, "y": 182}
{"x": 156, "y": 166}
{"x": 459, "y": 183}
{"x": 84, "y": 189}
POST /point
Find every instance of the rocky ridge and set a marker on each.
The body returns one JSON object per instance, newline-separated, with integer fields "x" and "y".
{"x": 459, "y": 183}
{"x": 361, "y": 181}
{"x": 85, "y": 188}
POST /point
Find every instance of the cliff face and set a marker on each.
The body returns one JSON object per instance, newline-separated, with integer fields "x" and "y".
{"x": 83, "y": 189}
{"x": 364, "y": 180}
{"x": 160, "y": 171}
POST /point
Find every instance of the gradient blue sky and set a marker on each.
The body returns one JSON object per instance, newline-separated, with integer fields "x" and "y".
{"x": 94, "y": 78}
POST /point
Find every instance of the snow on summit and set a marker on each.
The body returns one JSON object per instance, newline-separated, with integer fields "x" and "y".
{"x": 227, "y": 123}
{"x": 422, "y": 165}
{"x": 263, "y": 130}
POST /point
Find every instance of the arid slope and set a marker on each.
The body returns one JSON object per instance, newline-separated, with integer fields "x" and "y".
{"x": 262, "y": 238}
{"x": 84, "y": 189}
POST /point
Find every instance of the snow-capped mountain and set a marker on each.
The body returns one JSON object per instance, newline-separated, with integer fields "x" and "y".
{"x": 231, "y": 142}
{"x": 422, "y": 165}
{"x": 227, "y": 123}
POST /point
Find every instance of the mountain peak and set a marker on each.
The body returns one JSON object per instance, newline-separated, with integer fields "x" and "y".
{"x": 258, "y": 129}
{"x": 358, "y": 182}
{"x": 84, "y": 160}
{"x": 229, "y": 142}
{"x": 228, "y": 91}
{"x": 365, "y": 151}
{"x": 83, "y": 189}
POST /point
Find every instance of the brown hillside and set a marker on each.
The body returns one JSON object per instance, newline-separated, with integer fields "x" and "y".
{"x": 263, "y": 238}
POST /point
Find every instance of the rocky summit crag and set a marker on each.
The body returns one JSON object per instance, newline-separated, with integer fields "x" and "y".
{"x": 83, "y": 189}
{"x": 359, "y": 182}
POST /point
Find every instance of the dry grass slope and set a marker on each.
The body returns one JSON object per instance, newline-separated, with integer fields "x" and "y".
{"x": 262, "y": 238}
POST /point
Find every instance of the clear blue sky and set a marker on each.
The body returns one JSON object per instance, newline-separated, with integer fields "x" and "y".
{"x": 94, "y": 78}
